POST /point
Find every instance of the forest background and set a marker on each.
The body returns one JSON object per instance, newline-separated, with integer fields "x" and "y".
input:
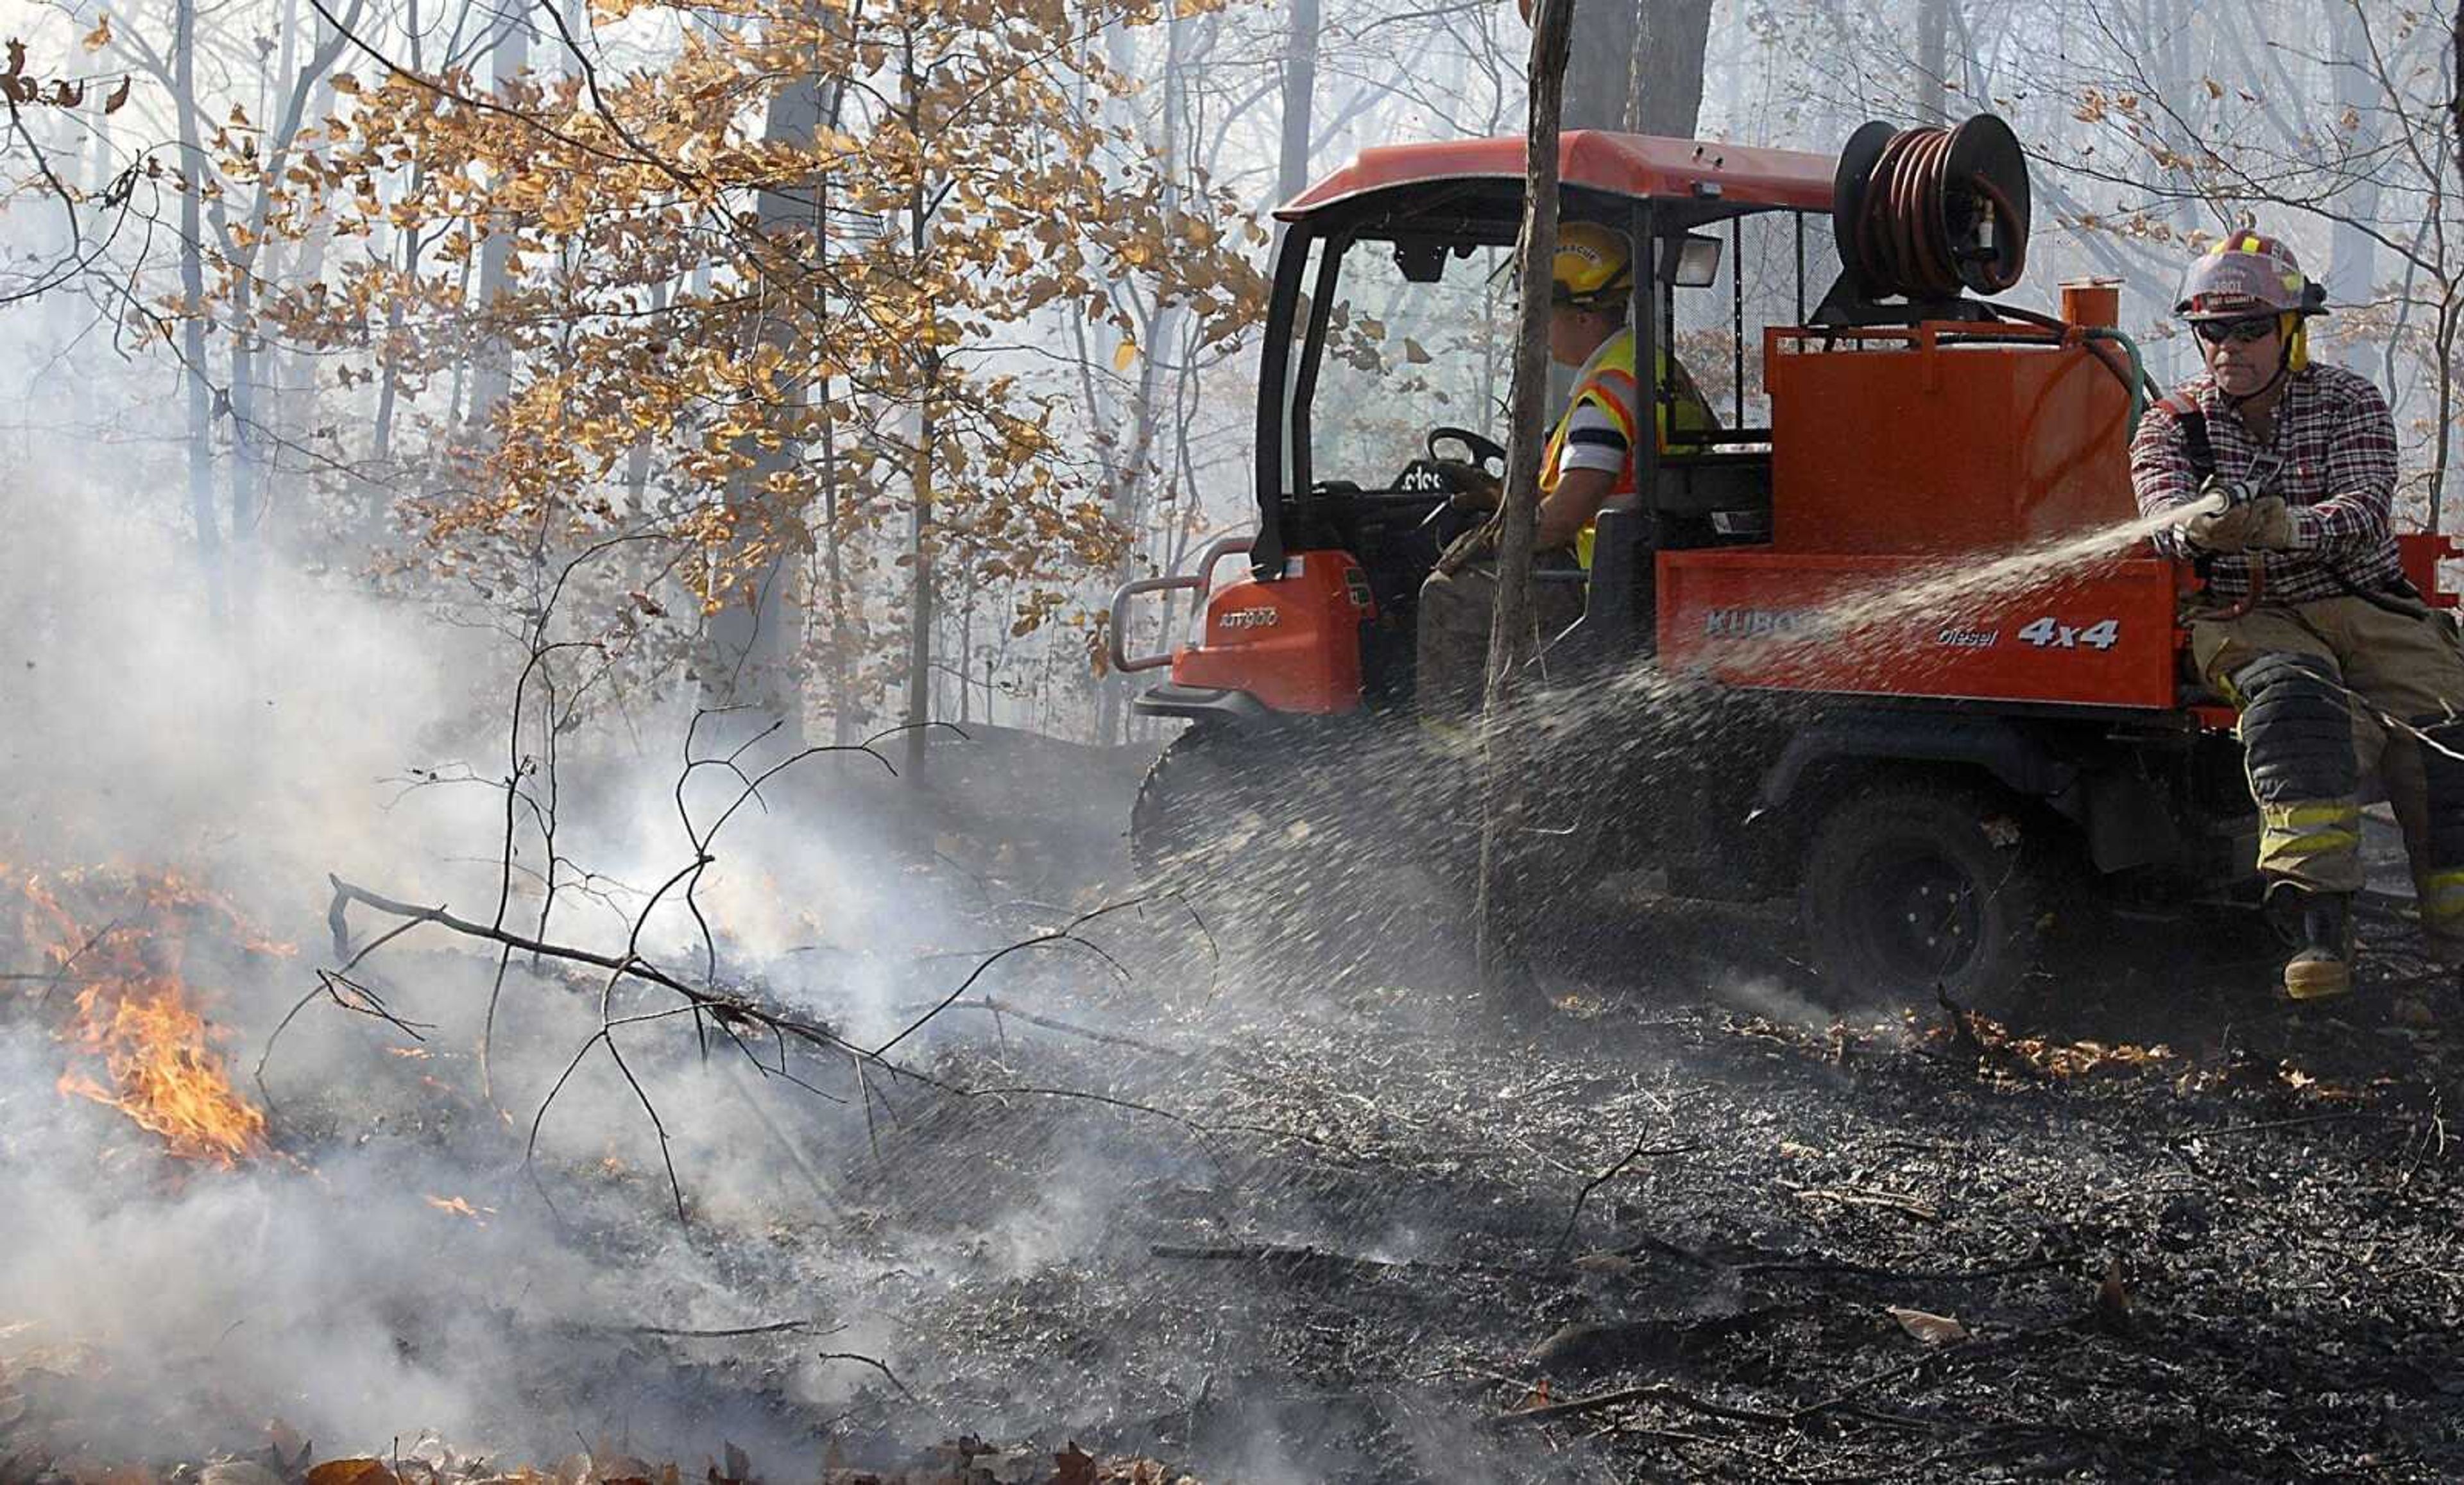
{"x": 834, "y": 359}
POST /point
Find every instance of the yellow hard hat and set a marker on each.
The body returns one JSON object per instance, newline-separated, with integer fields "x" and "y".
{"x": 1592, "y": 269}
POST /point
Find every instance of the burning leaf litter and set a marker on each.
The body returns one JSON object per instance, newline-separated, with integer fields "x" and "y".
{"x": 134, "y": 1016}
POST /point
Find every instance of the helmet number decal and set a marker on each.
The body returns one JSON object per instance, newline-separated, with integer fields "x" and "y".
{"x": 2046, "y": 633}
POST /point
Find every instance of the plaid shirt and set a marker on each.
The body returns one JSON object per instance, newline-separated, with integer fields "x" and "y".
{"x": 2338, "y": 445}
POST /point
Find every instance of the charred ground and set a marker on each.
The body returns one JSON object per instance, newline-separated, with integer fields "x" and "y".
{"x": 1673, "y": 1224}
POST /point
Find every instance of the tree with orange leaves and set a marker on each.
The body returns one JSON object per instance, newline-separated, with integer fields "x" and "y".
{"x": 758, "y": 343}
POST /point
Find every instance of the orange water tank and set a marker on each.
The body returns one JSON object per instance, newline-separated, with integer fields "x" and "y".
{"x": 1943, "y": 438}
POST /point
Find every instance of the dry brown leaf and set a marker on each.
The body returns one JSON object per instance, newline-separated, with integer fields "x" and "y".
{"x": 1930, "y": 1328}
{"x": 2112, "y": 1299}
{"x": 1073, "y": 1465}
{"x": 351, "y": 1472}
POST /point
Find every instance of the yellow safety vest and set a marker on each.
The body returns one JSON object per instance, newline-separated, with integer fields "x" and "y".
{"x": 1610, "y": 386}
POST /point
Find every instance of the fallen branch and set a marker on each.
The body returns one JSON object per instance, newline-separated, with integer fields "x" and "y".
{"x": 1007, "y": 1010}
{"x": 1067, "y": 933}
{"x": 631, "y": 965}
{"x": 773, "y": 1328}
{"x": 1654, "y": 1391}
{"x": 1858, "y": 1196}
{"x": 2370, "y": 1115}
{"x": 1285, "y": 1255}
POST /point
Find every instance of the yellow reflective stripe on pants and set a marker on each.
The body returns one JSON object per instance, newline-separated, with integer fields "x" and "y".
{"x": 2300, "y": 832}
{"x": 2442, "y": 898}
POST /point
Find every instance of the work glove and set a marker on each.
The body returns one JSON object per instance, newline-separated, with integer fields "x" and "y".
{"x": 1475, "y": 489}
{"x": 2221, "y": 531}
{"x": 2271, "y": 524}
{"x": 2261, "y": 525}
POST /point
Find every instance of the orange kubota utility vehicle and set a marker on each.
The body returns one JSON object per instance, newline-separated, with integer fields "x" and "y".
{"x": 1929, "y": 764}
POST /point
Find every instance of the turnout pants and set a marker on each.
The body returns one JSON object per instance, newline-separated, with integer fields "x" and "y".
{"x": 1455, "y": 609}
{"x": 2316, "y": 684}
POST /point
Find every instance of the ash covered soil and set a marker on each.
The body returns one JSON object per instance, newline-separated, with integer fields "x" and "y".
{"x": 1648, "y": 1234}
{"x": 1681, "y": 1223}
{"x": 1267, "y": 1222}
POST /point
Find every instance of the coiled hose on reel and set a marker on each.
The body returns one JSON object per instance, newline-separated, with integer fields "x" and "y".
{"x": 1931, "y": 214}
{"x": 1927, "y": 213}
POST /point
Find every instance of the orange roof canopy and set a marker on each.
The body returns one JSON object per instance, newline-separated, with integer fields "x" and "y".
{"x": 1624, "y": 165}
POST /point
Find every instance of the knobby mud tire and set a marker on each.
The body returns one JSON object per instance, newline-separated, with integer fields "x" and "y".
{"x": 1288, "y": 845}
{"x": 1915, "y": 888}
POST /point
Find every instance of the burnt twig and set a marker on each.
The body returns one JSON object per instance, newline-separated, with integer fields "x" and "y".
{"x": 858, "y": 1356}
{"x": 1604, "y": 1178}
{"x": 775, "y": 1328}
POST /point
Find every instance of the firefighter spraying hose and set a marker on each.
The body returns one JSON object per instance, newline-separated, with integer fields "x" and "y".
{"x": 2279, "y": 473}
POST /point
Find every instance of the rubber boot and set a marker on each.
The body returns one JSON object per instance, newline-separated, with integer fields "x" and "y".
{"x": 2323, "y": 968}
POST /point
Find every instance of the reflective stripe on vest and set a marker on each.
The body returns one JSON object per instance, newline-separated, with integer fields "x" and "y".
{"x": 1608, "y": 387}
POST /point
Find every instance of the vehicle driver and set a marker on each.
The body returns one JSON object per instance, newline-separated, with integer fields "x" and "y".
{"x": 1586, "y": 465}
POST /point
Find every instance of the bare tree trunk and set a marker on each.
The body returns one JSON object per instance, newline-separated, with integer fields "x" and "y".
{"x": 1501, "y": 784}
{"x": 2352, "y": 254}
{"x": 492, "y": 369}
{"x": 919, "y": 596}
{"x": 2446, "y": 358}
{"x": 1161, "y": 327}
{"x": 1933, "y": 59}
{"x": 1638, "y": 67}
{"x": 1300, "y": 93}
{"x": 844, "y": 712}
{"x": 637, "y": 458}
{"x": 248, "y": 450}
{"x": 389, "y": 383}
{"x": 389, "y": 387}
{"x": 1663, "y": 90}
{"x": 754, "y": 638}
{"x": 192, "y": 327}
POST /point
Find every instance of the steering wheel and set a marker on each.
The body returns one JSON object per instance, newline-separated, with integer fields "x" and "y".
{"x": 1483, "y": 451}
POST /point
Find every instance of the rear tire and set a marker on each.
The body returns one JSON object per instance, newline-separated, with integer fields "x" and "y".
{"x": 1915, "y": 887}
{"x": 1278, "y": 837}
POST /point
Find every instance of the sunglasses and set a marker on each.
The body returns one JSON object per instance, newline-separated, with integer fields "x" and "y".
{"x": 2215, "y": 332}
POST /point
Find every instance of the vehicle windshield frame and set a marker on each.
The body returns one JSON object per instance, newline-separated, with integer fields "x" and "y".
{"x": 1475, "y": 213}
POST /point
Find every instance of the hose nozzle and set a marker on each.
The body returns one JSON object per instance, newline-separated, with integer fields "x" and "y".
{"x": 2217, "y": 499}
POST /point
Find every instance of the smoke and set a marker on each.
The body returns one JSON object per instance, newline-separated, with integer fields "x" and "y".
{"x": 469, "y": 1227}
{"x": 411, "y": 1261}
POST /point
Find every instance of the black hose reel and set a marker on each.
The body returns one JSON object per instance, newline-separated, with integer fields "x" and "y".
{"x": 1927, "y": 216}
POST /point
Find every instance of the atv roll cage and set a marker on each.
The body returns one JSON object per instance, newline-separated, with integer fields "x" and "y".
{"x": 1428, "y": 204}
{"x": 1709, "y": 487}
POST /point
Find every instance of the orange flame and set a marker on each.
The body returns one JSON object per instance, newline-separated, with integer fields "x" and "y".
{"x": 133, "y": 1013}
